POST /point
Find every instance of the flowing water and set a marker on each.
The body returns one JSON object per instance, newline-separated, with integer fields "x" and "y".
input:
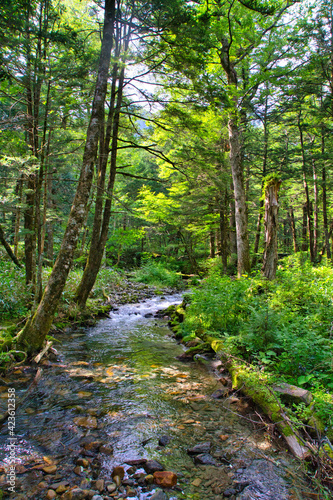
{"x": 120, "y": 382}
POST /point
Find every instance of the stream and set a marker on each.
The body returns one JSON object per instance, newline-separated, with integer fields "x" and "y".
{"x": 116, "y": 395}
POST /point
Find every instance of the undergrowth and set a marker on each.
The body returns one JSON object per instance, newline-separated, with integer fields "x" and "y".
{"x": 283, "y": 327}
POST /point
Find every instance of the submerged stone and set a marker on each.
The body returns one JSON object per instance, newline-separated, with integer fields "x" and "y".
{"x": 204, "y": 459}
{"x": 166, "y": 479}
{"x": 200, "y": 448}
{"x": 152, "y": 466}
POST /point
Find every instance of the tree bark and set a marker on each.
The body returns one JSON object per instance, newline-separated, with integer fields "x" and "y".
{"x": 101, "y": 226}
{"x": 211, "y": 245}
{"x": 305, "y": 229}
{"x": 8, "y": 248}
{"x": 315, "y": 219}
{"x": 324, "y": 188}
{"x": 293, "y": 228}
{"x": 306, "y": 189}
{"x": 243, "y": 249}
{"x": 37, "y": 327}
{"x": 264, "y": 168}
{"x": 272, "y": 187}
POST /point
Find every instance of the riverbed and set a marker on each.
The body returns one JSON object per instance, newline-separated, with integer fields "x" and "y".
{"x": 116, "y": 395}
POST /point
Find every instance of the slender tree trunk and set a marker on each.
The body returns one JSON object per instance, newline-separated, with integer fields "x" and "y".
{"x": 324, "y": 187}
{"x": 261, "y": 203}
{"x": 243, "y": 249}
{"x": 232, "y": 233}
{"x": 101, "y": 228}
{"x": 211, "y": 244}
{"x": 8, "y": 248}
{"x": 37, "y": 327}
{"x": 316, "y": 208}
{"x": 271, "y": 225}
{"x": 49, "y": 224}
{"x": 293, "y": 228}
{"x": 243, "y": 254}
{"x": 305, "y": 229}
{"x": 306, "y": 189}
{"x": 18, "y": 215}
{"x": 224, "y": 233}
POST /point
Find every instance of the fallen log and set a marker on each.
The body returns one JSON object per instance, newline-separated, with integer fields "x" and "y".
{"x": 249, "y": 383}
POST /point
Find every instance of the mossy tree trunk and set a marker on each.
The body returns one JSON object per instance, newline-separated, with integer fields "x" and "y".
{"x": 271, "y": 187}
{"x": 36, "y": 329}
{"x": 102, "y": 218}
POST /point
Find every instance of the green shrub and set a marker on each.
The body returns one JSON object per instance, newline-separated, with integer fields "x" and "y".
{"x": 155, "y": 273}
{"x": 284, "y": 325}
{"x": 14, "y": 295}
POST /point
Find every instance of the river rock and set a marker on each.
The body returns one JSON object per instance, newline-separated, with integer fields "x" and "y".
{"x": 118, "y": 471}
{"x": 164, "y": 440}
{"x": 149, "y": 479}
{"x": 111, "y": 487}
{"x": 204, "y": 459}
{"x": 107, "y": 449}
{"x": 159, "y": 495}
{"x": 229, "y": 492}
{"x": 87, "y": 422}
{"x": 293, "y": 393}
{"x": 138, "y": 461}
{"x": 74, "y": 494}
{"x": 220, "y": 393}
{"x": 51, "y": 494}
{"x": 166, "y": 479}
{"x": 200, "y": 448}
{"x": 97, "y": 497}
{"x": 152, "y": 466}
{"x": 50, "y": 469}
{"x": 261, "y": 480}
{"x": 99, "y": 485}
{"x": 82, "y": 461}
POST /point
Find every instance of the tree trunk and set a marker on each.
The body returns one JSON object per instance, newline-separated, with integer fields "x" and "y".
{"x": 211, "y": 244}
{"x": 306, "y": 189}
{"x": 243, "y": 250}
{"x": 243, "y": 253}
{"x": 272, "y": 187}
{"x": 293, "y": 228}
{"x": 224, "y": 234}
{"x": 101, "y": 227}
{"x": 305, "y": 229}
{"x": 324, "y": 187}
{"x": 232, "y": 233}
{"x": 315, "y": 218}
{"x": 264, "y": 168}
{"x": 37, "y": 327}
{"x": 18, "y": 216}
{"x": 7, "y": 247}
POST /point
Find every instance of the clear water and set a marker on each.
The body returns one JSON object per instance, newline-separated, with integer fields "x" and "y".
{"x": 124, "y": 373}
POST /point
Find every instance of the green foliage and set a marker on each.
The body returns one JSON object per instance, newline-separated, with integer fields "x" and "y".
{"x": 156, "y": 273}
{"x": 14, "y": 295}
{"x": 283, "y": 325}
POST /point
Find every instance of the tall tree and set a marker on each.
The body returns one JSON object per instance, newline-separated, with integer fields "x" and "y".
{"x": 37, "y": 327}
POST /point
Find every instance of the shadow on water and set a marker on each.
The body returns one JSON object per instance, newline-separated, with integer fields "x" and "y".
{"x": 120, "y": 383}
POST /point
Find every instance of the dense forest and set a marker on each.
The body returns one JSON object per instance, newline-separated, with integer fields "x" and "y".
{"x": 182, "y": 145}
